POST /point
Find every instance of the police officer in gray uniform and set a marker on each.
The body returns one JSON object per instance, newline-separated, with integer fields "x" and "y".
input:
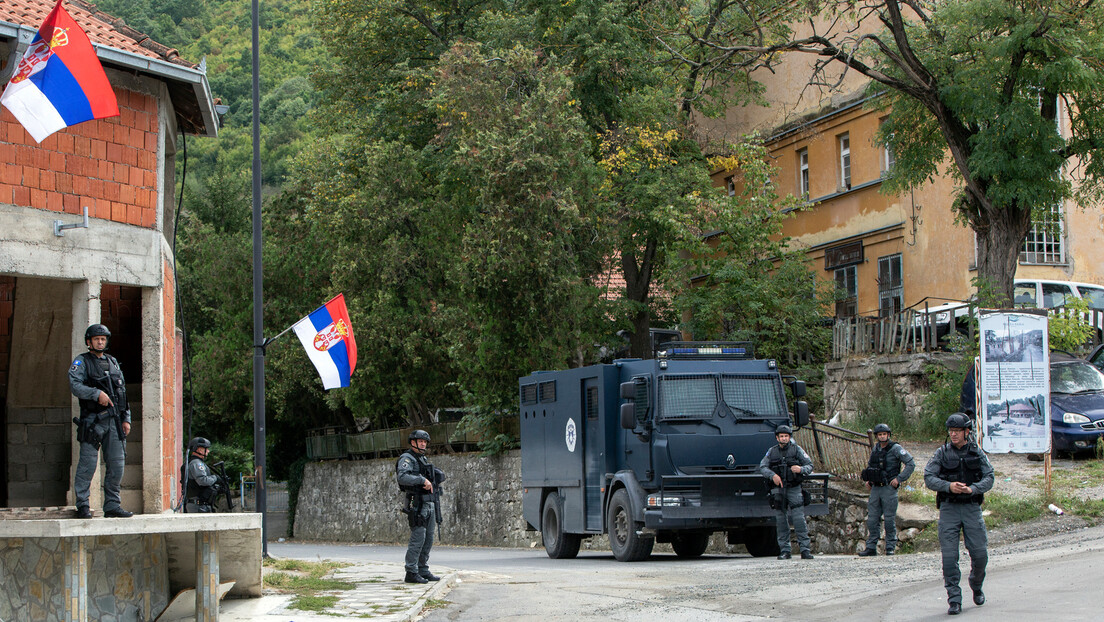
{"x": 96, "y": 379}
{"x": 201, "y": 486}
{"x": 420, "y": 482}
{"x": 784, "y": 466}
{"x": 960, "y": 474}
{"x": 889, "y": 466}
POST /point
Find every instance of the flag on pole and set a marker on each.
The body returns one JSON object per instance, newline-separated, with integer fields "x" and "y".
{"x": 327, "y": 336}
{"x": 59, "y": 81}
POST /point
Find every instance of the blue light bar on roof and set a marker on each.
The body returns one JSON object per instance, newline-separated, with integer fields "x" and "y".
{"x": 685, "y": 349}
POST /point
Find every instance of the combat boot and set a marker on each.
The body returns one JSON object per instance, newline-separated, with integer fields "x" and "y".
{"x": 412, "y": 577}
{"x": 83, "y": 512}
{"x": 954, "y": 609}
{"x": 868, "y": 553}
{"x": 429, "y": 576}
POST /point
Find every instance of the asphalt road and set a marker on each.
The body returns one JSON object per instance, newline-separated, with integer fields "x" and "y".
{"x": 1056, "y": 577}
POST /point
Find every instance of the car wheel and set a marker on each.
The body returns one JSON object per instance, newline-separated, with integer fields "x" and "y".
{"x": 558, "y": 544}
{"x": 626, "y": 543}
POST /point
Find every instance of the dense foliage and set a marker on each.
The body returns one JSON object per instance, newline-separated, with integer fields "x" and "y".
{"x": 469, "y": 174}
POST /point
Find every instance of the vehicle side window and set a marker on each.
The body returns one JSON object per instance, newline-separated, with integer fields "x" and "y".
{"x": 1023, "y": 295}
{"x": 1055, "y": 295}
{"x": 1097, "y": 358}
{"x": 1093, "y": 295}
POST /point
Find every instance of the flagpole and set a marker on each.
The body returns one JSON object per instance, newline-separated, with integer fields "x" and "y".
{"x": 259, "y": 474}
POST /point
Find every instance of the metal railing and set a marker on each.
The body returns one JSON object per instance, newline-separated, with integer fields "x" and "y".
{"x": 333, "y": 443}
{"x": 843, "y": 453}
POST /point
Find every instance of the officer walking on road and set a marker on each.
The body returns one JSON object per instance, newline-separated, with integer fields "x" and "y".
{"x": 784, "y": 466}
{"x": 96, "y": 380}
{"x": 420, "y": 481}
{"x": 889, "y": 466}
{"x": 960, "y": 474}
{"x": 201, "y": 485}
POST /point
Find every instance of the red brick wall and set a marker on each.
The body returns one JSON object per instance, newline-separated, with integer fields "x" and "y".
{"x": 171, "y": 445}
{"x": 108, "y": 165}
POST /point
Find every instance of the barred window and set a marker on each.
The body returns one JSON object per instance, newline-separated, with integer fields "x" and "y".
{"x": 687, "y": 397}
{"x": 891, "y": 288}
{"x": 749, "y": 396}
{"x": 1043, "y": 244}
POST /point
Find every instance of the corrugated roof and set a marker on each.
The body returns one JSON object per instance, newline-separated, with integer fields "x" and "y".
{"x": 102, "y": 29}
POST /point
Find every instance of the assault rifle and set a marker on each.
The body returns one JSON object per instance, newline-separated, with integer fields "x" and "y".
{"x": 223, "y": 484}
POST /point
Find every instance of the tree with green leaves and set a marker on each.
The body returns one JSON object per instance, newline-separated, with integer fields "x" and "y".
{"x": 1004, "y": 96}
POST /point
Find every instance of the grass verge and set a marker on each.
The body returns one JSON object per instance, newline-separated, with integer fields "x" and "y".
{"x": 305, "y": 580}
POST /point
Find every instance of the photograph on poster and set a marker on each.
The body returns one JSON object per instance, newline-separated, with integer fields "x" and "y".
{"x": 1018, "y": 415}
{"x": 1009, "y": 345}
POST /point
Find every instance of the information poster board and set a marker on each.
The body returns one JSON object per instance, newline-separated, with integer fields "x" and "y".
{"x": 1014, "y": 383}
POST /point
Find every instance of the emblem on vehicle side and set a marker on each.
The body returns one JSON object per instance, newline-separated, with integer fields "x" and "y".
{"x": 570, "y": 435}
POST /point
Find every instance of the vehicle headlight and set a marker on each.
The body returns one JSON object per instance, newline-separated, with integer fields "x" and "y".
{"x": 1076, "y": 418}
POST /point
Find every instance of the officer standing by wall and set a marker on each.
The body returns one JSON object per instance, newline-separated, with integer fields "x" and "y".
{"x": 201, "y": 486}
{"x": 96, "y": 379}
{"x": 784, "y": 466}
{"x": 889, "y": 466}
{"x": 960, "y": 474}
{"x": 420, "y": 482}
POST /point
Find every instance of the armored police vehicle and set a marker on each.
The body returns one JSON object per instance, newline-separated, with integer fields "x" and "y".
{"x": 661, "y": 450}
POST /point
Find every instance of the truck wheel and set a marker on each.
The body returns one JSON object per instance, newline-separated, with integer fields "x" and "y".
{"x": 761, "y": 541}
{"x": 690, "y": 544}
{"x": 558, "y": 544}
{"x": 626, "y": 544}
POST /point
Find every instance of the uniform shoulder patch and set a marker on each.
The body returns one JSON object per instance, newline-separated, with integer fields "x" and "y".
{"x": 76, "y": 364}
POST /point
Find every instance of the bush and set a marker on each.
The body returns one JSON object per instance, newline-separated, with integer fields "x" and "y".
{"x": 877, "y": 402}
{"x": 945, "y": 390}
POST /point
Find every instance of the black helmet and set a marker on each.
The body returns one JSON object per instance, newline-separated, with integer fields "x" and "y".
{"x": 881, "y": 427}
{"x": 418, "y": 435}
{"x": 960, "y": 420}
{"x": 96, "y": 330}
{"x": 783, "y": 429}
{"x": 198, "y": 442}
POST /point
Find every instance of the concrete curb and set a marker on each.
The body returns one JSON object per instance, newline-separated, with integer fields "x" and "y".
{"x": 442, "y": 587}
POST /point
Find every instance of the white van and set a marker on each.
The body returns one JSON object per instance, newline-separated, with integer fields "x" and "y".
{"x": 1047, "y": 294}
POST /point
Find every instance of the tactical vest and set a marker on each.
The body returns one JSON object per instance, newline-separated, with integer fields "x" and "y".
{"x": 877, "y": 471}
{"x": 780, "y": 462}
{"x": 203, "y": 495}
{"x": 425, "y": 469}
{"x": 966, "y": 469}
{"x": 110, "y": 382}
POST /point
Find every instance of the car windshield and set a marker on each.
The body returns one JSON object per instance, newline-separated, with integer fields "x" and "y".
{"x": 694, "y": 397}
{"x": 1075, "y": 377}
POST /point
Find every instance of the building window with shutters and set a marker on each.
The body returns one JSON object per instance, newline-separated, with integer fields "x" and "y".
{"x": 847, "y": 292}
{"x": 891, "y": 290}
{"x": 803, "y": 172}
{"x": 845, "y": 161}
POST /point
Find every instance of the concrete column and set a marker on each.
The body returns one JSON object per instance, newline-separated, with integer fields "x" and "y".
{"x": 207, "y": 576}
{"x": 86, "y": 311}
{"x": 157, "y": 353}
{"x": 75, "y": 589}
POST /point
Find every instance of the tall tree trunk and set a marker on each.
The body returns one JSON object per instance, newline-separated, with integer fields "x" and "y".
{"x": 638, "y": 280}
{"x": 999, "y": 241}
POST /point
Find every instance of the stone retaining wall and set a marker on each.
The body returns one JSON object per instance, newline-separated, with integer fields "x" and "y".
{"x": 357, "y": 501}
{"x": 844, "y": 379}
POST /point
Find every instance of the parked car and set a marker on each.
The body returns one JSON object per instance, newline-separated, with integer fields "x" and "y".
{"x": 1045, "y": 294}
{"x": 1076, "y": 403}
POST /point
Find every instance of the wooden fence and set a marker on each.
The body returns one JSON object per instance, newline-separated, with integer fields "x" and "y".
{"x": 917, "y": 330}
{"x": 843, "y": 453}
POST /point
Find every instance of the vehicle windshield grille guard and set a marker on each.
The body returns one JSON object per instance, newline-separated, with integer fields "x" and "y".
{"x": 695, "y": 396}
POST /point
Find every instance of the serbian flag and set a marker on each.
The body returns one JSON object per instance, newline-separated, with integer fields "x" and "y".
{"x": 327, "y": 336}
{"x": 59, "y": 81}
